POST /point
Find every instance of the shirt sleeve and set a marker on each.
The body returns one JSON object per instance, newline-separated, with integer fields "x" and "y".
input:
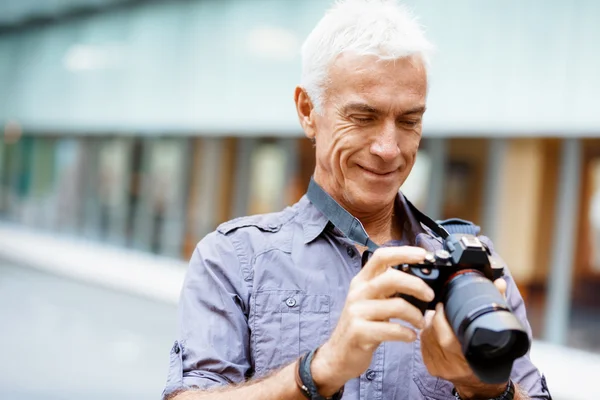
{"x": 524, "y": 373}
{"x": 212, "y": 348}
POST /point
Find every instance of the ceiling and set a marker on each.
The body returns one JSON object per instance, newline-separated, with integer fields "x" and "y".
{"x": 14, "y": 13}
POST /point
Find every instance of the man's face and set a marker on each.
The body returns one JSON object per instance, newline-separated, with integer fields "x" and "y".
{"x": 369, "y": 132}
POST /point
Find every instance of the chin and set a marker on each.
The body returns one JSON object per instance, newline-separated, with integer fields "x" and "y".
{"x": 371, "y": 199}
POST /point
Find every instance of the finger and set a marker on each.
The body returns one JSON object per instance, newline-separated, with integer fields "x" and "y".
{"x": 443, "y": 331}
{"x": 371, "y": 331}
{"x": 429, "y": 314}
{"x": 383, "y": 310}
{"x": 385, "y": 257}
{"x": 392, "y": 282}
{"x": 501, "y": 286}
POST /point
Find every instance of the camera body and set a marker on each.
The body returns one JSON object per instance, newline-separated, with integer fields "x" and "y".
{"x": 461, "y": 276}
{"x": 462, "y": 254}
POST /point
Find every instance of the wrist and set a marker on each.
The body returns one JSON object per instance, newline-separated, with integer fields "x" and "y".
{"x": 325, "y": 374}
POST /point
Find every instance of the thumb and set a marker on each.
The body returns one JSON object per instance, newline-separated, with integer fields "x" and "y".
{"x": 500, "y": 284}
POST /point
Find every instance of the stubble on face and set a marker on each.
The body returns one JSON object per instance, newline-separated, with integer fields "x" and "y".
{"x": 369, "y": 132}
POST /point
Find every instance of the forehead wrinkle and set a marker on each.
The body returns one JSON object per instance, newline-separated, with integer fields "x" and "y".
{"x": 365, "y": 81}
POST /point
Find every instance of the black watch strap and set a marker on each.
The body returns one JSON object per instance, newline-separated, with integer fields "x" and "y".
{"x": 509, "y": 393}
{"x": 306, "y": 383}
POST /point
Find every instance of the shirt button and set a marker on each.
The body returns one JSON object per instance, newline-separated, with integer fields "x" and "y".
{"x": 290, "y": 302}
{"x": 351, "y": 252}
{"x": 371, "y": 375}
{"x": 176, "y": 348}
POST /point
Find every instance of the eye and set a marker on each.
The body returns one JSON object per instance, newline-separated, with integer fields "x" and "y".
{"x": 410, "y": 123}
{"x": 362, "y": 119}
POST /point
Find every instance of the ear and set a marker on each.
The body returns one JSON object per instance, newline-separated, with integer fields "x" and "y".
{"x": 305, "y": 110}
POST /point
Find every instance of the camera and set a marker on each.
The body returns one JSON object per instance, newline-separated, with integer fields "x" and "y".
{"x": 461, "y": 276}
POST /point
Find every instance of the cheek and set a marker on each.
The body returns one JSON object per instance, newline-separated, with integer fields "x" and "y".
{"x": 410, "y": 146}
{"x": 409, "y": 151}
{"x": 344, "y": 145}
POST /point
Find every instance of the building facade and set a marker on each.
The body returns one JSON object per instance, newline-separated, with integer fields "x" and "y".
{"x": 148, "y": 124}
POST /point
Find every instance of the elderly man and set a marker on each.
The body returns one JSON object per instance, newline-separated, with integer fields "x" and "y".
{"x": 279, "y": 306}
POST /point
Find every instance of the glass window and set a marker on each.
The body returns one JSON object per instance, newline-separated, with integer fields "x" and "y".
{"x": 113, "y": 180}
{"x": 267, "y": 177}
{"x": 594, "y": 215}
{"x": 158, "y": 194}
{"x": 68, "y": 184}
{"x": 3, "y": 178}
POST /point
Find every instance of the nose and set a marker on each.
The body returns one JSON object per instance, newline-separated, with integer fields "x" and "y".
{"x": 385, "y": 145}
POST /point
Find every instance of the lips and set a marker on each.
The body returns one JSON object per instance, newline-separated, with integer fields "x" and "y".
{"x": 378, "y": 171}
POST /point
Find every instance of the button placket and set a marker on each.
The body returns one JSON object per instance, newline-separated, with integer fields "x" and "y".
{"x": 351, "y": 251}
{"x": 370, "y": 375}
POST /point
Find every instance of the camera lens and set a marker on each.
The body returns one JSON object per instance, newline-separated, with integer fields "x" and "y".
{"x": 493, "y": 344}
{"x": 490, "y": 335}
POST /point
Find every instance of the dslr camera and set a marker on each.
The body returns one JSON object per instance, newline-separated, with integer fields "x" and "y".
{"x": 461, "y": 276}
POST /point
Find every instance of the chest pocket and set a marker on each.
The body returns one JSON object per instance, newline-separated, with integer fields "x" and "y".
{"x": 287, "y": 323}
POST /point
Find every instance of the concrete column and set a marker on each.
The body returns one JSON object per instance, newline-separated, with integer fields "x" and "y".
{"x": 3, "y": 180}
{"x": 143, "y": 220}
{"x": 212, "y": 151}
{"x": 118, "y": 204}
{"x": 90, "y": 223}
{"x": 493, "y": 186}
{"x": 173, "y": 226}
{"x": 437, "y": 149}
{"x": 241, "y": 192}
{"x": 558, "y": 296}
{"x": 292, "y": 166}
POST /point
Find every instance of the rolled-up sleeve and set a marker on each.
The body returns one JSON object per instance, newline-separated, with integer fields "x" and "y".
{"x": 212, "y": 347}
{"x": 524, "y": 372}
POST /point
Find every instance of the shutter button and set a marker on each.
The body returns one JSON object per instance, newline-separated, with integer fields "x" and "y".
{"x": 371, "y": 375}
{"x": 290, "y": 302}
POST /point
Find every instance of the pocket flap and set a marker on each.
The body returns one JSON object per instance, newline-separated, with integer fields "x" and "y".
{"x": 291, "y": 301}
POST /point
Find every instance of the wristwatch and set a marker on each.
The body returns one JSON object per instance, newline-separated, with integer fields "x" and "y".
{"x": 305, "y": 382}
{"x": 509, "y": 393}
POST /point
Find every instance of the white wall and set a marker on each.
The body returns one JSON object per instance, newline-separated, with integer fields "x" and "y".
{"x": 502, "y": 67}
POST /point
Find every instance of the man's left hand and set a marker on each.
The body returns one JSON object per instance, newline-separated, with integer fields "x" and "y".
{"x": 443, "y": 357}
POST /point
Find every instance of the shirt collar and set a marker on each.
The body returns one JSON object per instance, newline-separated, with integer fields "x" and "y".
{"x": 314, "y": 222}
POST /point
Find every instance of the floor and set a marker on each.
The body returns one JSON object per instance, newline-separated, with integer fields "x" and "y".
{"x": 63, "y": 340}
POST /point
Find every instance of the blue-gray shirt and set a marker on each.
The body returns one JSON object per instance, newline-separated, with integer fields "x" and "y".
{"x": 262, "y": 290}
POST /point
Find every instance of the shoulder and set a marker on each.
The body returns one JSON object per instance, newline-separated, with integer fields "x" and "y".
{"x": 271, "y": 222}
{"x": 256, "y": 233}
{"x": 266, "y": 223}
{"x": 238, "y": 241}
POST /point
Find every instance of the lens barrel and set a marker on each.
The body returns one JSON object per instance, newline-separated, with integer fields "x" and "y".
{"x": 490, "y": 335}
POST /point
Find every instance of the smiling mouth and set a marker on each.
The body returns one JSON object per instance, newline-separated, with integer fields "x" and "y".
{"x": 378, "y": 173}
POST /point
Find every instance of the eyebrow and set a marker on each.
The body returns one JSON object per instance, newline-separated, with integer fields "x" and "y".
{"x": 360, "y": 107}
{"x": 415, "y": 110}
{"x": 366, "y": 108}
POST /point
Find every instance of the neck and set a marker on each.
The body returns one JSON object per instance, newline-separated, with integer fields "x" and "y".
{"x": 381, "y": 223}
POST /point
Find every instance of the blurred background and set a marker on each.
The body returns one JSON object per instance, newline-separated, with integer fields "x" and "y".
{"x": 131, "y": 128}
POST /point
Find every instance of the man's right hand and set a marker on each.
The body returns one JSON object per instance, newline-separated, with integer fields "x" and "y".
{"x": 365, "y": 320}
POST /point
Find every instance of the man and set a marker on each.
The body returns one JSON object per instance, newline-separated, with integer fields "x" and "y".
{"x": 263, "y": 291}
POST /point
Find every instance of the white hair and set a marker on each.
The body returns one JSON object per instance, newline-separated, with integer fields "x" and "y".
{"x": 364, "y": 27}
